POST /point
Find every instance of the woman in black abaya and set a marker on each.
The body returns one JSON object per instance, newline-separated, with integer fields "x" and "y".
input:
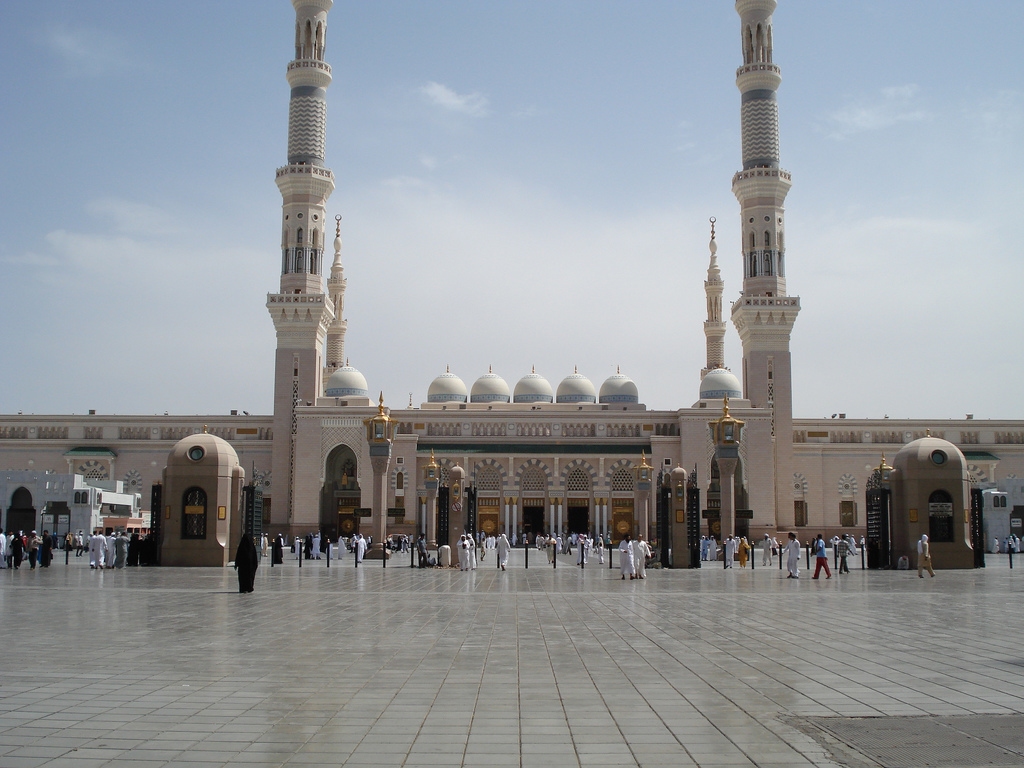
{"x": 277, "y": 551}
{"x": 246, "y": 563}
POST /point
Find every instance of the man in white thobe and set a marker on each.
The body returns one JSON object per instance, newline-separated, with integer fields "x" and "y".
{"x": 314, "y": 553}
{"x": 360, "y": 548}
{"x": 110, "y": 546}
{"x": 3, "y": 549}
{"x": 641, "y": 551}
{"x": 793, "y": 557}
{"x": 503, "y": 547}
{"x": 766, "y": 550}
{"x": 97, "y": 549}
{"x": 730, "y": 551}
{"x": 712, "y": 548}
{"x": 627, "y": 564}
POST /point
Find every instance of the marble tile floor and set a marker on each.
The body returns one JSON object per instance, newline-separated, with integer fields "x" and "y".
{"x": 403, "y": 667}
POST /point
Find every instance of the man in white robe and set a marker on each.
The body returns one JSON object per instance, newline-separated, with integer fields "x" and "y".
{"x": 599, "y": 543}
{"x": 641, "y": 551}
{"x": 712, "y": 548}
{"x": 730, "y": 551}
{"x": 109, "y": 555}
{"x": 360, "y": 548}
{"x": 766, "y": 550}
{"x": 793, "y": 557}
{"x": 503, "y": 547}
{"x": 3, "y": 549}
{"x": 583, "y": 543}
{"x": 627, "y": 564}
{"x": 97, "y": 549}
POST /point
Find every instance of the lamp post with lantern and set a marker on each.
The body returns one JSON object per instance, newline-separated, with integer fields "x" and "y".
{"x": 726, "y": 433}
{"x": 431, "y": 475}
{"x": 380, "y": 434}
{"x": 644, "y": 473}
{"x": 879, "y": 497}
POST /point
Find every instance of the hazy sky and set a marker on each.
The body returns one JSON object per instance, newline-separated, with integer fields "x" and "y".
{"x": 522, "y": 183}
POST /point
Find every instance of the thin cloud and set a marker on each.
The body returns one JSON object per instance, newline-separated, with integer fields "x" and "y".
{"x": 85, "y": 52}
{"x": 894, "y": 105}
{"x": 472, "y": 104}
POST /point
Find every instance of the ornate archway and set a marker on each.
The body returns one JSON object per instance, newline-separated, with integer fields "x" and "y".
{"x": 340, "y": 495}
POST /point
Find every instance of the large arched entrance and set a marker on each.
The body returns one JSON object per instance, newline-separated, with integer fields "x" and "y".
{"x": 340, "y": 496}
{"x": 21, "y": 515}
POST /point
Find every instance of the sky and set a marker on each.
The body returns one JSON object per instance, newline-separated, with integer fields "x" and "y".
{"x": 522, "y": 184}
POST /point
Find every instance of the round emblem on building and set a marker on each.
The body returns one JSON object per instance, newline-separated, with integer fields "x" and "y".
{"x": 196, "y": 452}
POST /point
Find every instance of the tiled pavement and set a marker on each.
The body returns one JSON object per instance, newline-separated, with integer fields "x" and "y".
{"x": 539, "y": 667}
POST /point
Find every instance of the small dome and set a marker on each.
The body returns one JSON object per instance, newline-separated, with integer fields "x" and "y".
{"x": 446, "y": 388}
{"x": 933, "y": 453}
{"x": 619, "y": 389}
{"x": 489, "y": 388}
{"x": 533, "y": 388}
{"x": 346, "y": 382}
{"x": 206, "y": 450}
{"x": 576, "y": 388}
{"x": 720, "y": 383}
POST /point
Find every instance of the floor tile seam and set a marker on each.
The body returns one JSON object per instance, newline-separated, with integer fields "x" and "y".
{"x": 711, "y": 688}
{"x": 604, "y": 700}
{"x": 437, "y": 692}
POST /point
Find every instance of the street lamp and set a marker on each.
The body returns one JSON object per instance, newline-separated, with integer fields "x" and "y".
{"x": 380, "y": 433}
{"x": 644, "y": 473}
{"x": 726, "y": 432}
{"x": 431, "y": 475}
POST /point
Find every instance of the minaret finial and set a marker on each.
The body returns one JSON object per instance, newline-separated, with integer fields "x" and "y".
{"x": 337, "y": 228}
{"x": 712, "y": 220}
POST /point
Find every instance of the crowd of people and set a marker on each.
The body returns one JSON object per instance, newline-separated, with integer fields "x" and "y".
{"x": 115, "y": 549}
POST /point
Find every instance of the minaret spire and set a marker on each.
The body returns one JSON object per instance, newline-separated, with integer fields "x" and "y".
{"x": 714, "y": 326}
{"x": 301, "y": 311}
{"x": 764, "y": 314}
{"x": 336, "y": 288}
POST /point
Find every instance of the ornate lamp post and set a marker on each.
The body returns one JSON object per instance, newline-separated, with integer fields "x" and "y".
{"x": 431, "y": 474}
{"x": 878, "y": 540}
{"x": 681, "y": 544}
{"x": 380, "y": 433}
{"x": 725, "y": 432}
{"x": 644, "y": 473}
{"x": 456, "y": 512}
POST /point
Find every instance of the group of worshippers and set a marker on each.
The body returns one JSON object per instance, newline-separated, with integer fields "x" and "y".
{"x": 1011, "y": 544}
{"x": 16, "y": 547}
{"x": 110, "y": 551}
{"x": 633, "y": 557}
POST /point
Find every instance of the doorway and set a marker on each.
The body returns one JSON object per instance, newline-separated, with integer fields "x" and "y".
{"x": 533, "y": 521}
{"x": 578, "y": 514}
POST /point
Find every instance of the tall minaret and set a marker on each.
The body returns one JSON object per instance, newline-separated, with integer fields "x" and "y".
{"x": 764, "y": 314}
{"x": 714, "y": 326}
{"x": 301, "y": 312}
{"x": 336, "y": 288}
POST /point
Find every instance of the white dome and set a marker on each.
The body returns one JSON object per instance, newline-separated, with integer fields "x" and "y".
{"x": 619, "y": 389}
{"x": 446, "y": 388}
{"x": 489, "y": 388}
{"x": 576, "y": 389}
{"x": 533, "y": 388}
{"x": 347, "y": 382}
{"x": 720, "y": 383}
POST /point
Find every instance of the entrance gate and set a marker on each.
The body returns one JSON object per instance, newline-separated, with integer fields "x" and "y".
{"x": 978, "y": 527}
{"x": 878, "y": 539}
{"x": 578, "y": 514}
{"x": 533, "y": 520}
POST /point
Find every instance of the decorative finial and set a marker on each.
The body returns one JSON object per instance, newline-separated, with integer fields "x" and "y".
{"x": 410, "y": 400}
{"x": 447, "y": 368}
{"x": 575, "y": 369}
{"x": 927, "y": 433}
{"x": 490, "y": 369}
{"x": 617, "y": 371}
{"x": 380, "y": 405}
{"x": 346, "y": 362}
{"x": 206, "y": 430}
{"x": 337, "y": 229}
{"x": 725, "y": 405}
{"x": 533, "y": 368}
{"x": 712, "y": 220}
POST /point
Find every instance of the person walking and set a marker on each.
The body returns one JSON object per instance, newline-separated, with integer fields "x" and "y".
{"x": 766, "y": 550}
{"x": 712, "y": 548}
{"x": 792, "y": 557}
{"x": 924, "y": 557}
{"x": 842, "y": 550}
{"x": 503, "y": 547}
{"x": 820, "y": 558}
{"x": 744, "y": 551}
{"x": 641, "y": 551}
{"x": 627, "y": 564}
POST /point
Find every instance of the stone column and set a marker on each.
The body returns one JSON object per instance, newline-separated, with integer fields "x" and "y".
{"x": 727, "y": 474}
{"x": 380, "y": 459}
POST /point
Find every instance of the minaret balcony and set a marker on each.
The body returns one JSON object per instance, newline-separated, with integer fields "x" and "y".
{"x": 309, "y": 72}
{"x": 759, "y": 67}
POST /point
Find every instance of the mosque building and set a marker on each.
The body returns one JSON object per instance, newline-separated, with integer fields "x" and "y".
{"x": 539, "y": 456}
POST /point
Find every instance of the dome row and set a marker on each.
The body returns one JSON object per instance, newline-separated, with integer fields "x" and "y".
{"x": 532, "y": 388}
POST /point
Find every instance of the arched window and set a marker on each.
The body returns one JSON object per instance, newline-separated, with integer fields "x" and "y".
{"x": 319, "y": 51}
{"x": 767, "y": 239}
{"x": 940, "y": 516}
{"x": 193, "y": 514}
{"x": 312, "y": 238}
{"x": 298, "y": 236}
{"x": 753, "y": 241}
{"x": 300, "y": 262}
{"x": 400, "y": 481}
{"x": 578, "y": 480}
{"x": 307, "y": 42}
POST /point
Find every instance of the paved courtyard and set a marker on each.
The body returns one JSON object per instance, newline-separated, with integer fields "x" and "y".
{"x": 538, "y": 667}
